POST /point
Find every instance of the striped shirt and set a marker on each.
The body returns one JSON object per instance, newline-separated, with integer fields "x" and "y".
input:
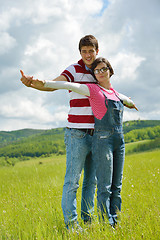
{"x": 80, "y": 114}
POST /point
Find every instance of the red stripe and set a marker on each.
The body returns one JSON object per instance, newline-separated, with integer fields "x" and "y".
{"x": 81, "y": 118}
{"x": 79, "y": 69}
{"x": 84, "y": 102}
{"x": 68, "y": 75}
{"x": 80, "y": 62}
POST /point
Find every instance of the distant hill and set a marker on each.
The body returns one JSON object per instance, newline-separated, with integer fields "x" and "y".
{"x": 26, "y": 143}
{"x": 138, "y": 124}
{"x": 7, "y": 137}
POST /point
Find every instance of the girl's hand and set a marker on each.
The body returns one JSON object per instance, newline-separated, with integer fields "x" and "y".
{"x": 133, "y": 106}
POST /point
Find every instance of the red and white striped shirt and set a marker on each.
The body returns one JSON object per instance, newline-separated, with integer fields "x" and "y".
{"x": 80, "y": 114}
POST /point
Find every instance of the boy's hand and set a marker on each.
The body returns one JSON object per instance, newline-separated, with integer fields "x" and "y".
{"x": 30, "y": 82}
{"x": 26, "y": 80}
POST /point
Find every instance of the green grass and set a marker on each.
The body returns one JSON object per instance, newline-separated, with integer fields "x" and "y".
{"x": 30, "y": 201}
{"x": 130, "y": 147}
{"x": 142, "y": 146}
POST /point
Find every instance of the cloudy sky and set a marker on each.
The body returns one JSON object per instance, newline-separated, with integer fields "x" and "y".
{"x": 41, "y": 37}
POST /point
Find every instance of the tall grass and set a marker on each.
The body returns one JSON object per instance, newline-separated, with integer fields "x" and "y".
{"x": 30, "y": 201}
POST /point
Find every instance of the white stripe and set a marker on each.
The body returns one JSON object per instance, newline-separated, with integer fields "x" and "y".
{"x": 80, "y": 111}
{"x": 74, "y": 95}
{"x": 80, "y": 77}
{"x": 80, "y": 125}
{"x": 67, "y": 77}
{"x": 71, "y": 69}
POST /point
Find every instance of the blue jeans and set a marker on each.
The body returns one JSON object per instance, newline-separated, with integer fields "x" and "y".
{"x": 109, "y": 152}
{"x": 78, "y": 156}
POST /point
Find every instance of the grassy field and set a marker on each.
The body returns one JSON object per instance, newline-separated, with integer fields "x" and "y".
{"x": 30, "y": 201}
{"x": 130, "y": 147}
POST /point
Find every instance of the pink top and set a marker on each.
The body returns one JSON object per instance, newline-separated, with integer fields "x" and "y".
{"x": 97, "y": 99}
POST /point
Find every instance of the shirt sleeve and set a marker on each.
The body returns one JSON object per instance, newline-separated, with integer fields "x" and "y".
{"x": 75, "y": 87}
{"x": 126, "y": 100}
{"x": 69, "y": 73}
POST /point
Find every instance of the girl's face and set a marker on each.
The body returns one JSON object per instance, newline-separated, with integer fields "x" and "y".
{"x": 102, "y": 73}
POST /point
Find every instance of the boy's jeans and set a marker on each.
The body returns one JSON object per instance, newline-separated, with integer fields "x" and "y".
{"x": 78, "y": 156}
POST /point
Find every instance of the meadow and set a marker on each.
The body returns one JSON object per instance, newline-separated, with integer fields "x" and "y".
{"x": 30, "y": 201}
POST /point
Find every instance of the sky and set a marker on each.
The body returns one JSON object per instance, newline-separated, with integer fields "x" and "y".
{"x": 41, "y": 37}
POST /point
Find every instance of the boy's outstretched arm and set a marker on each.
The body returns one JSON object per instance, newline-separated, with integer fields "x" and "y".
{"x": 53, "y": 85}
{"x": 28, "y": 81}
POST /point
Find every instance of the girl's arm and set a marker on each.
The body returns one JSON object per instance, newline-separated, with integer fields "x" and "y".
{"x": 56, "y": 84}
{"x": 75, "y": 87}
{"x": 127, "y": 101}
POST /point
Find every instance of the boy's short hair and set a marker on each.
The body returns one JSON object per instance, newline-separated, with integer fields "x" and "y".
{"x": 88, "y": 40}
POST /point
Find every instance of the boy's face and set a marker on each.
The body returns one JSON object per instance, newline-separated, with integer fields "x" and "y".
{"x": 88, "y": 54}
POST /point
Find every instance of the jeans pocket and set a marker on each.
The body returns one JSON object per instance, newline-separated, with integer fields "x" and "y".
{"x": 117, "y": 116}
{"x": 76, "y": 133}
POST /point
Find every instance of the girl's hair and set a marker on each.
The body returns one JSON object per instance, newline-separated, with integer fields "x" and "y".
{"x": 88, "y": 40}
{"x": 102, "y": 60}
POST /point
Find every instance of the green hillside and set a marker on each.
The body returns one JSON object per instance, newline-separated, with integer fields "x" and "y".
{"x": 7, "y": 137}
{"x": 22, "y": 144}
{"x": 142, "y": 134}
{"x": 142, "y": 146}
{"x": 34, "y": 145}
{"x": 138, "y": 124}
{"x": 11, "y": 136}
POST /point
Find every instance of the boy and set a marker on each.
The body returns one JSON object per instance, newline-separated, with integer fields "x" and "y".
{"x": 78, "y": 135}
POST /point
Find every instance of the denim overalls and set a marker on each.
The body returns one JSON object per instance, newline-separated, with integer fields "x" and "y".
{"x": 108, "y": 153}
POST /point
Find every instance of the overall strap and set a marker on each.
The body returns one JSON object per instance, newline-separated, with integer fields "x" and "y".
{"x": 105, "y": 97}
{"x": 117, "y": 96}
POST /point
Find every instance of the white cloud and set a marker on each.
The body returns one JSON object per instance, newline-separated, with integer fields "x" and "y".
{"x": 40, "y": 44}
{"x": 32, "y": 110}
{"x": 41, "y": 37}
{"x": 126, "y": 65}
{"x": 7, "y": 16}
{"x": 24, "y": 108}
{"x": 7, "y": 42}
{"x": 130, "y": 115}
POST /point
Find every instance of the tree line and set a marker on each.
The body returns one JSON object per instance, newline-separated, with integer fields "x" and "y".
{"x": 47, "y": 142}
{"x": 142, "y": 134}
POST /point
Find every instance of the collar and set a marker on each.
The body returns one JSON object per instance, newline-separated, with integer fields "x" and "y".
{"x": 88, "y": 69}
{"x": 111, "y": 90}
{"x": 85, "y": 68}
